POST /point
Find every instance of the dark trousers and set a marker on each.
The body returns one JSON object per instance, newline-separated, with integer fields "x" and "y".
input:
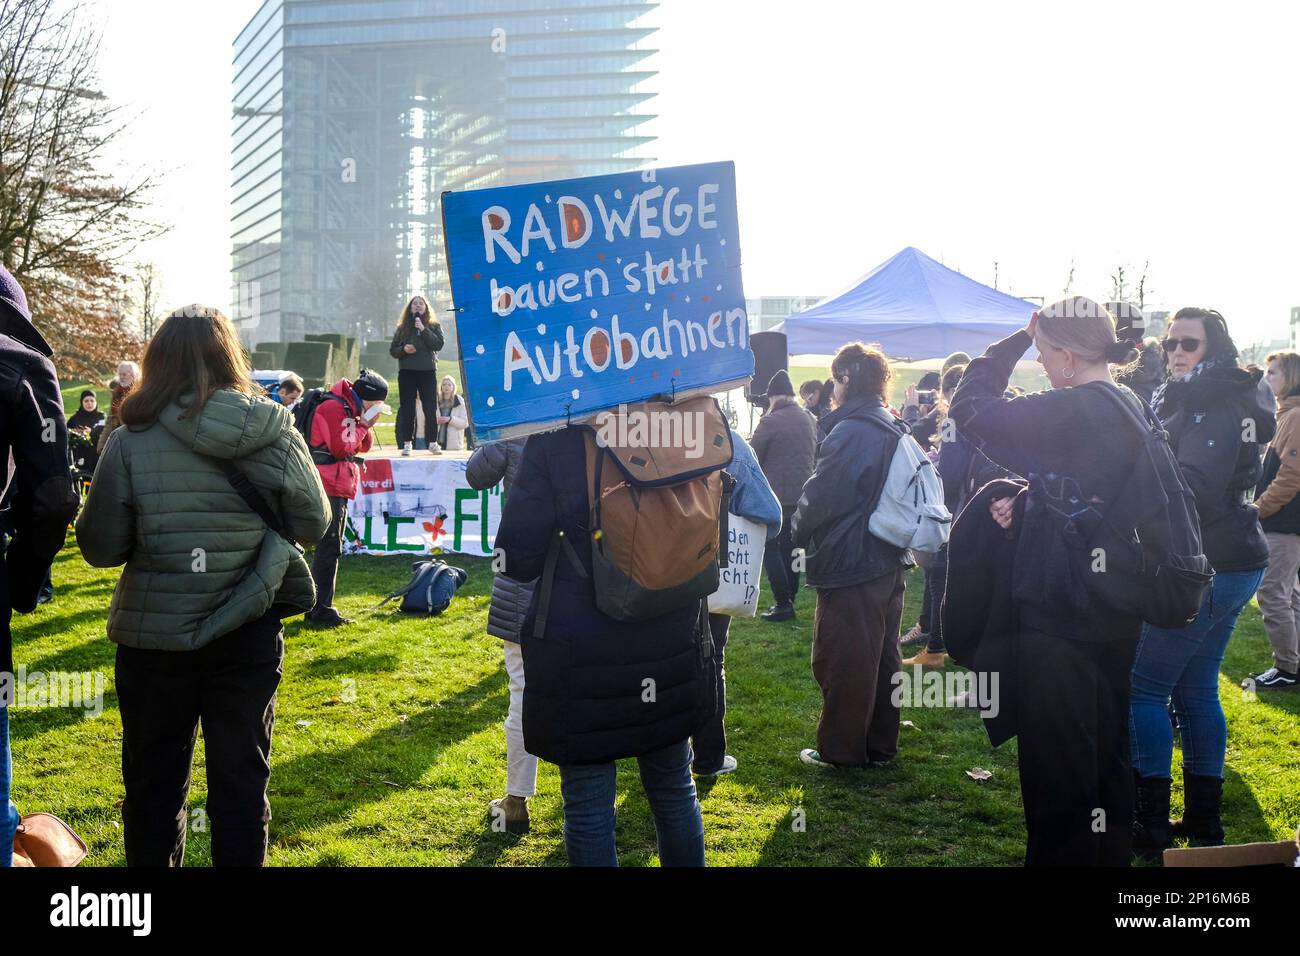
{"x": 778, "y": 562}
{"x": 1072, "y": 698}
{"x": 936, "y": 580}
{"x": 409, "y": 383}
{"x": 325, "y": 562}
{"x": 926, "y": 616}
{"x": 710, "y": 738}
{"x": 855, "y": 656}
{"x": 229, "y": 688}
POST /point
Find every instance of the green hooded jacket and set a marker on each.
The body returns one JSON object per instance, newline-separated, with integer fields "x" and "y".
{"x": 199, "y": 562}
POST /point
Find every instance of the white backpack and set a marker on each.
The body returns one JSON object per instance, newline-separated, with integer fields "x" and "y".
{"x": 910, "y": 512}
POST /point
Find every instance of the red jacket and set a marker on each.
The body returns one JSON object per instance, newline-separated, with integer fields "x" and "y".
{"x": 341, "y": 478}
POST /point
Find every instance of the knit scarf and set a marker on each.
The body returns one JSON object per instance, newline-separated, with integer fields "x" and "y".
{"x": 1203, "y": 366}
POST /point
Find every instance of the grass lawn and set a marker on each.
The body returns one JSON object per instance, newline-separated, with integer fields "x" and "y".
{"x": 389, "y": 744}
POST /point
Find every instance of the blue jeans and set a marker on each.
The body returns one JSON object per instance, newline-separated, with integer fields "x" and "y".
{"x": 8, "y": 812}
{"x": 588, "y": 791}
{"x": 1183, "y": 665}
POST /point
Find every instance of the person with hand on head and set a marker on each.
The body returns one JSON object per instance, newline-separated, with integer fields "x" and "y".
{"x": 1278, "y": 499}
{"x": 415, "y": 346}
{"x": 1073, "y": 664}
{"x": 341, "y": 429}
{"x": 40, "y": 493}
{"x": 1212, "y": 412}
{"x": 785, "y": 441}
{"x": 206, "y": 494}
{"x": 858, "y": 577}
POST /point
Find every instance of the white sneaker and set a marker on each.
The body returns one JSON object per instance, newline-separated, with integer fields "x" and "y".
{"x": 434, "y": 449}
{"x": 406, "y": 450}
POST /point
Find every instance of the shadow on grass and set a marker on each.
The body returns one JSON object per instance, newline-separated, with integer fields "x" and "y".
{"x": 355, "y": 663}
{"x": 315, "y": 789}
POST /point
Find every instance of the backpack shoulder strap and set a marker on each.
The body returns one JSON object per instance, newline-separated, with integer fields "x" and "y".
{"x": 558, "y": 543}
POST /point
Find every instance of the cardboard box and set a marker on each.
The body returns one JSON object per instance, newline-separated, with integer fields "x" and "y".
{"x": 1285, "y": 853}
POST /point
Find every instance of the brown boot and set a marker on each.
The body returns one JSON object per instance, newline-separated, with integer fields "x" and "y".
{"x": 509, "y": 813}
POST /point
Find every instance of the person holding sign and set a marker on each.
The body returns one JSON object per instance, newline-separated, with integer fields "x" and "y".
{"x": 415, "y": 346}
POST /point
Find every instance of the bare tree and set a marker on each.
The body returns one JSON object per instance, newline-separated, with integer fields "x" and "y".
{"x": 148, "y": 293}
{"x": 1118, "y": 283}
{"x": 66, "y": 224}
{"x": 1143, "y": 289}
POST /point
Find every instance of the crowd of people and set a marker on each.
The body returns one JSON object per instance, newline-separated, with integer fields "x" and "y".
{"x": 208, "y": 494}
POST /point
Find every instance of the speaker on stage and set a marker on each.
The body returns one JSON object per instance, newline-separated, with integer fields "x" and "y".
{"x": 770, "y": 356}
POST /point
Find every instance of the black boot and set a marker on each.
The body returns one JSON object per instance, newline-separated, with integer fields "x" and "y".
{"x": 1202, "y": 802}
{"x": 1151, "y": 818}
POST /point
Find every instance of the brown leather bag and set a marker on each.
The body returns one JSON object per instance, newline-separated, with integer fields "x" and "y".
{"x": 42, "y": 839}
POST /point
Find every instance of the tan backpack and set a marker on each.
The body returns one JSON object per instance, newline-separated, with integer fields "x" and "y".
{"x": 658, "y": 518}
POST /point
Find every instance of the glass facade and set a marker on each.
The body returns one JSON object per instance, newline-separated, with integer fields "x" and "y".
{"x": 351, "y": 117}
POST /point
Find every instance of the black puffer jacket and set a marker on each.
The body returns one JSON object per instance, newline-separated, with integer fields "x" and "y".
{"x": 493, "y": 463}
{"x": 586, "y": 700}
{"x": 830, "y": 523}
{"x": 40, "y": 492}
{"x": 1209, "y": 420}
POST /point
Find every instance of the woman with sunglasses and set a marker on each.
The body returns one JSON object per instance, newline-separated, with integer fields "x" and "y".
{"x": 1216, "y": 421}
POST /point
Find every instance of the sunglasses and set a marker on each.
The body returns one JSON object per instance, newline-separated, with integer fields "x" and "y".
{"x": 1188, "y": 344}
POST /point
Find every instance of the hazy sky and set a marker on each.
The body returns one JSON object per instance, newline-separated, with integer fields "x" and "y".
{"x": 1030, "y": 134}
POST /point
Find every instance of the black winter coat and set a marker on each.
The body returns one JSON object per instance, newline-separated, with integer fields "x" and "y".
{"x": 1208, "y": 420}
{"x": 40, "y": 491}
{"x": 978, "y": 614}
{"x": 1065, "y": 432}
{"x": 830, "y": 522}
{"x": 598, "y": 689}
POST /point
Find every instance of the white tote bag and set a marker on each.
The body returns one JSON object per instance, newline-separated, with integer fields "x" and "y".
{"x": 737, "y": 592}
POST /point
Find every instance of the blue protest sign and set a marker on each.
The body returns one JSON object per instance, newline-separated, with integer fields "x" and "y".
{"x": 575, "y": 295}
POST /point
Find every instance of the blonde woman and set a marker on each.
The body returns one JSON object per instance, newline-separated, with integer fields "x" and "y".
{"x": 453, "y": 418}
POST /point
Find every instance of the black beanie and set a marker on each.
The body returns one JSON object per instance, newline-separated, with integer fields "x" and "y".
{"x": 370, "y": 386}
{"x": 780, "y": 384}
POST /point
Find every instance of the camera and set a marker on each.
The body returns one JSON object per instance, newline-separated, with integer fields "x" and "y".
{"x": 926, "y": 396}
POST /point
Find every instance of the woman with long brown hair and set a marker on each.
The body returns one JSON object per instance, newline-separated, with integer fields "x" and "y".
{"x": 205, "y": 494}
{"x": 415, "y": 346}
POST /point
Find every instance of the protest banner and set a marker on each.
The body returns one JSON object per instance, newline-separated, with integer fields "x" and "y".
{"x": 574, "y": 296}
{"x": 420, "y": 506}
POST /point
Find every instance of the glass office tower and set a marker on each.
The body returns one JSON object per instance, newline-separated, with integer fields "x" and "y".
{"x": 351, "y": 117}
